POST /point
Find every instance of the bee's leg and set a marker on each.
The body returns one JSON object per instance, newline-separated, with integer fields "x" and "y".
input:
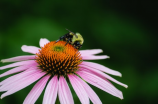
{"x": 77, "y": 45}
{"x": 62, "y": 37}
{"x": 68, "y": 41}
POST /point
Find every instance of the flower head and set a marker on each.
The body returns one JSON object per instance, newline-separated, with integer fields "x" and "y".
{"x": 58, "y": 59}
{"x": 58, "y": 64}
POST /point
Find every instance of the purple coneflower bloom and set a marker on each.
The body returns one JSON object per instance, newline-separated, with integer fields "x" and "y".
{"x": 53, "y": 65}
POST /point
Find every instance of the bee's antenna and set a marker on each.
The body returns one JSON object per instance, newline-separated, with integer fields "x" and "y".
{"x": 71, "y": 32}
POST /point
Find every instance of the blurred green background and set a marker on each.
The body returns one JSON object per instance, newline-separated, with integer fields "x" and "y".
{"x": 125, "y": 30}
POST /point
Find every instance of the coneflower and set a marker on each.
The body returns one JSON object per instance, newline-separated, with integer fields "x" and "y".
{"x": 55, "y": 65}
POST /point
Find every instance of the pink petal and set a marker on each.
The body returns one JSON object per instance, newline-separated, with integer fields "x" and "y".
{"x": 100, "y": 83}
{"x": 22, "y": 84}
{"x": 92, "y": 57}
{"x": 90, "y": 52}
{"x": 12, "y": 81}
{"x": 103, "y": 75}
{"x": 89, "y": 71}
{"x": 92, "y": 95}
{"x": 19, "y": 58}
{"x": 18, "y": 64}
{"x": 36, "y": 91}
{"x": 80, "y": 91}
{"x": 100, "y": 67}
{"x": 50, "y": 94}
{"x": 17, "y": 69}
{"x": 64, "y": 92}
{"x": 30, "y": 49}
{"x": 43, "y": 41}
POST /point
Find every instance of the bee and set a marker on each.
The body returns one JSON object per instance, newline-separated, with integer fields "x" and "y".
{"x": 74, "y": 39}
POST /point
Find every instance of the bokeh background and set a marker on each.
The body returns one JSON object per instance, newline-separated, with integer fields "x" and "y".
{"x": 126, "y": 30}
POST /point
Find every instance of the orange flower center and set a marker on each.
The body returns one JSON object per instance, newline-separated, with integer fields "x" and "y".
{"x": 57, "y": 58}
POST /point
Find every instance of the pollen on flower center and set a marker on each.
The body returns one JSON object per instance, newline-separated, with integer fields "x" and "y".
{"x": 57, "y": 58}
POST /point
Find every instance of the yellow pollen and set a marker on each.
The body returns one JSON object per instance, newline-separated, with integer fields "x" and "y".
{"x": 57, "y": 58}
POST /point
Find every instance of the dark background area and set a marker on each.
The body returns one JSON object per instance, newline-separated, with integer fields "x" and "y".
{"x": 125, "y": 30}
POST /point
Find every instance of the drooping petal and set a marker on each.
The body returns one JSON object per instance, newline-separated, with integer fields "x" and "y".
{"x": 43, "y": 41}
{"x": 17, "y": 69}
{"x": 92, "y": 57}
{"x": 13, "y": 80}
{"x": 30, "y": 49}
{"x": 19, "y": 58}
{"x": 79, "y": 89}
{"x": 23, "y": 84}
{"x": 103, "y": 75}
{"x": 64, "y": 92}
{"x": 90, "y": 52}
{"x": 50, "y": 94}
{"x": 99, "y": 67}
{"x": 36, "y": 91}
{"x": 91, "y": 94}
{"x": 14, "y": 70}
{"x": 100, "y": 83}
{"x": 18, "y": 64}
